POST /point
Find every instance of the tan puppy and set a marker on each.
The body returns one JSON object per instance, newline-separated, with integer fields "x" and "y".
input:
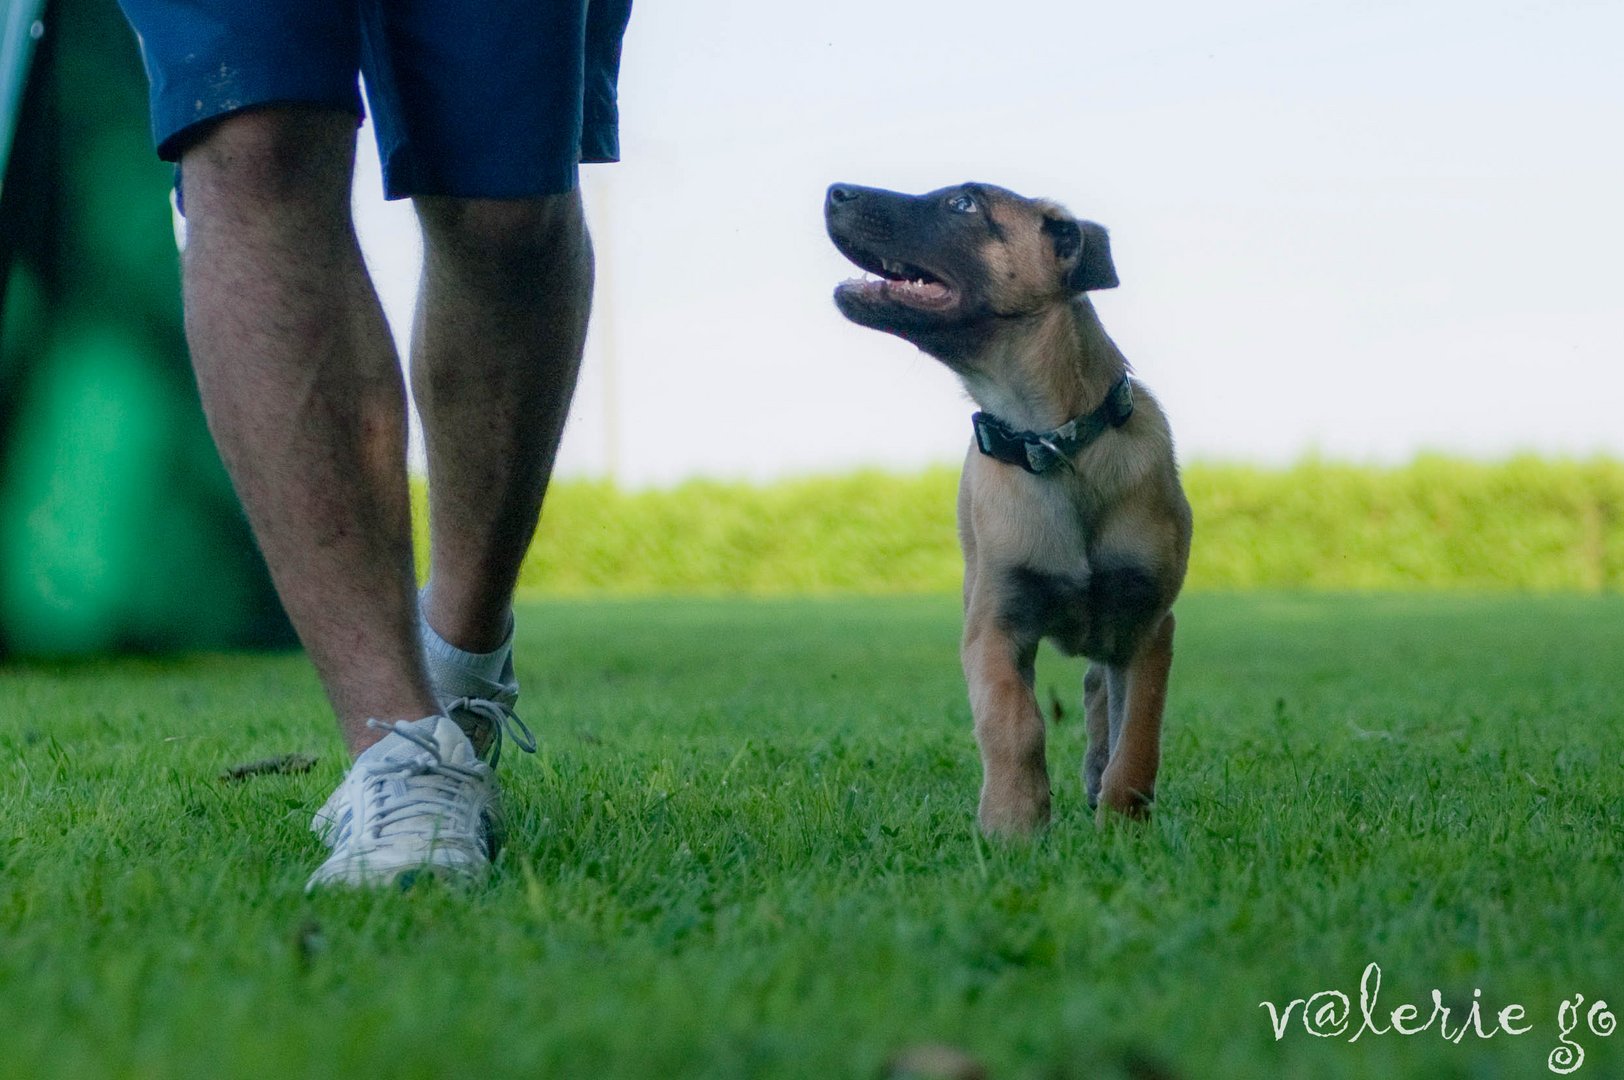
{"x": 1072, "y": 520}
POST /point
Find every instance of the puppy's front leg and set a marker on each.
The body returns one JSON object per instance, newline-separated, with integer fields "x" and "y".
{"x": 1129, "y": 783}
{"x": 1097, "y": 714}
{"x": 1009, "y": 728}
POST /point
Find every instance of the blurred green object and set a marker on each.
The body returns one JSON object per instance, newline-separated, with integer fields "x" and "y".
{"x": 118, "y": 527}
{"x": 20, "y": 28}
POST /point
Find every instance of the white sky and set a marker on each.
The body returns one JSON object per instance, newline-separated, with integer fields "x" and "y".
{"x": 1362, "y": 229}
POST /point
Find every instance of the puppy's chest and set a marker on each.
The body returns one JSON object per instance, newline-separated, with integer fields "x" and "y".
{"x": 1100, "y": 611}
{"x": 1053, "y": 581}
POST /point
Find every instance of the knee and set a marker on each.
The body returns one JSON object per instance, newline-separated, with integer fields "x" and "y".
{"x": 264, "y": 158}
{"x": 543, "y": 235}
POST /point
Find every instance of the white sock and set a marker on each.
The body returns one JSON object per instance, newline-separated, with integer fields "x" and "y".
{"x": 458, "y": 673}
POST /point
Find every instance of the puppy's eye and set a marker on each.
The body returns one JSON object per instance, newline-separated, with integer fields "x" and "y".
{"x": 962, "y": 204}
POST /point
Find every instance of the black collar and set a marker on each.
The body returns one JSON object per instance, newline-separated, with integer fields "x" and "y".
{"x": 1039, "y": 451}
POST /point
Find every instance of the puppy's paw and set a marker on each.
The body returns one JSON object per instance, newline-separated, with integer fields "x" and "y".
{"x": 1117, "y": 802}
{"x": 1014, "y": 811}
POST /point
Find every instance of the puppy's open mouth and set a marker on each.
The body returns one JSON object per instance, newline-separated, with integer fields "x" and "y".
{"x": 895, "y": 280}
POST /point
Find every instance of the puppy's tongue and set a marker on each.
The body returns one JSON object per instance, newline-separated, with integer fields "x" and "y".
{"x": 871, "y": 285}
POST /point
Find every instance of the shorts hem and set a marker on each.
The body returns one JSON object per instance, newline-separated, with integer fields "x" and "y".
{"x": 400, "y": 181}
{"x": 179, "y": 122}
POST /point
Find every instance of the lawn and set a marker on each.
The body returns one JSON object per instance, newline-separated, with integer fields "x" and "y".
{"x": 746, "y": 850}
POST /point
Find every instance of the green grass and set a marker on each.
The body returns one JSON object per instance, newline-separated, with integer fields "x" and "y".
{"x": 1434, "y": 523}
{"x": 746, "y": 851}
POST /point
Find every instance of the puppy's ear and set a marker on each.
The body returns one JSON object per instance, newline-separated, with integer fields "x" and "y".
{"x": 1094, "y": 269}
{"x": 1084, "y": 252}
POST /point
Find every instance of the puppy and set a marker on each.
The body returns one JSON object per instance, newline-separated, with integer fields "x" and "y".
{"x": 1071, "y": 516}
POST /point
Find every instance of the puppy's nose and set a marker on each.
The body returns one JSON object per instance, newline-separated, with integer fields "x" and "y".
{"x": 841, "y": 193}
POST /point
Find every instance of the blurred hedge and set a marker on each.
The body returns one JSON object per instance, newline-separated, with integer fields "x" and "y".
{"x": 1436, "y": 523}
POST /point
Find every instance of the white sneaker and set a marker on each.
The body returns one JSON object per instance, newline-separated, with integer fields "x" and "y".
{"x": 418, "y": 800}
{"x": 464, "y": 688}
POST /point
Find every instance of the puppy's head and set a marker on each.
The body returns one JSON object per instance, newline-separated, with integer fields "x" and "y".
{"x": 948, "y": 265}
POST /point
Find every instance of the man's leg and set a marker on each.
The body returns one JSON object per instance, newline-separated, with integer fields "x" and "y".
{"x": 501, "y": 322}
{"x": 303, "y": 391}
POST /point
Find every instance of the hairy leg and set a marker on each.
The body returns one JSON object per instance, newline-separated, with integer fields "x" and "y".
{"x": 1129, "y": 784}
{"x": 303, "y": 393}
{"x": 1096, "y": 711}
{"x": 1008, "y": 727}
{"x": 501, "y": 322}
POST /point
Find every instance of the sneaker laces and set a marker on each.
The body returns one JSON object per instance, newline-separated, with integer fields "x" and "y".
{"x": 502, "y": 718}
{"x": 436, "y": 794}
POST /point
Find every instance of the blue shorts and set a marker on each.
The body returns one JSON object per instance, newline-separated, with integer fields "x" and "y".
{"x": 489, "y": 99}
